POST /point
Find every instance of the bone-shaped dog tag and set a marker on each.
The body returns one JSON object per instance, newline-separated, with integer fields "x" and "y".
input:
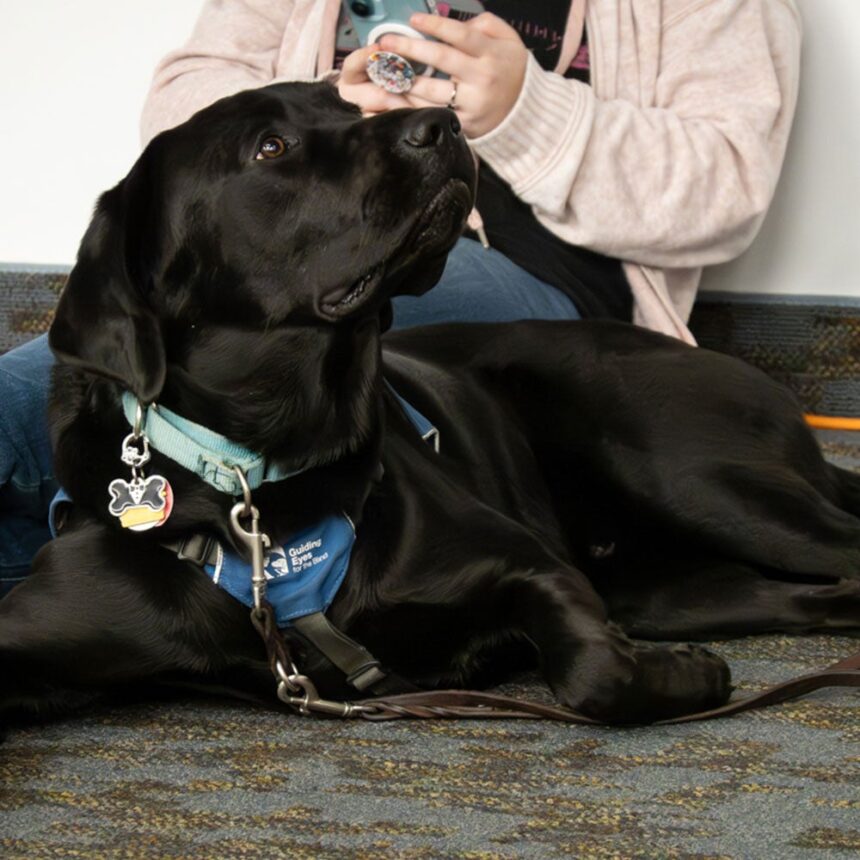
{"x": 142, "y": 503}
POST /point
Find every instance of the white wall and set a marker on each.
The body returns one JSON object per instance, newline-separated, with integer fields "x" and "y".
{"x": 810, "y": 241}
{"x": 73, "y": 78}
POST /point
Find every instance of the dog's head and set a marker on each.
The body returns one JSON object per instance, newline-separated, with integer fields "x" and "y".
{"x": 274, "y": 209}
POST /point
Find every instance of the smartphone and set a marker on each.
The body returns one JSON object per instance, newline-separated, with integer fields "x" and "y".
{"x": 372, "y": 19}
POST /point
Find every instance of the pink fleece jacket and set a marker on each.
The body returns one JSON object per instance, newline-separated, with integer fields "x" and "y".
{"x": 667, "y": 161}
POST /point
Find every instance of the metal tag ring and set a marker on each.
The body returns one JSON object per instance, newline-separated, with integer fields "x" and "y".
{"x": 246, "y": 491}
{"x": 132, "y": 455}
{"x": 138, "y": 421}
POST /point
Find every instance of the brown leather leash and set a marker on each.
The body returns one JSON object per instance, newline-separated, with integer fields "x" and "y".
{"x": 299, "y": 692}
{"x": 460, "y": 704}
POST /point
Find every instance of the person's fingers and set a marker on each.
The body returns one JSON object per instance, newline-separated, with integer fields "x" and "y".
{"x": 376, "y": 100}
{"x": 354, "y": 69}
{"x": 443, "y": 57}
{"x": 383, "y": 101}
{"x": 416, "y": 101}
{"x": 459, "y": 35}
{"x": 433, "y": 91}
{"x": 371, "y": 98}
{"x": 491, "y": 26}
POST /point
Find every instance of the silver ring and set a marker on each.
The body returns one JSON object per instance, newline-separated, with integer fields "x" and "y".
{"x": 138, "y": 421}
{"x": 452, "y": 102}
{"x": 246, "y": 491}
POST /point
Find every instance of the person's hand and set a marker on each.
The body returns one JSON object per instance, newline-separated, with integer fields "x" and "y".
{"x": 354, "y": 85}
{"x": 485, "y": 57}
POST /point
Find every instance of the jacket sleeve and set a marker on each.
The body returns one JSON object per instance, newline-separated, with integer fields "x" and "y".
{"x": 234, "y": 46}
{"x": 684, "y": 182}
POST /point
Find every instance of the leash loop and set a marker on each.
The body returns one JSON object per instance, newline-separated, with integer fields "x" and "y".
{"x": 293, "y": 688}
{"x": 285, "y": 678}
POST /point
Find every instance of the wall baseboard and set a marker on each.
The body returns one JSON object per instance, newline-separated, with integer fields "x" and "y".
{"x": 28, "y": 296}
{"x": 810, "y": 343}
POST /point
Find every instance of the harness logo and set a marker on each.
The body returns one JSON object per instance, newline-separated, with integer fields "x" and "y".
{"x": 275, "y": 563}
{"x": 280, "y": 562}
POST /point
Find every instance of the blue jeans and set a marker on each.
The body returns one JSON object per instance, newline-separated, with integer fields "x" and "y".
{"x": 477, "y": 285}
{"x": 482, "y": 285}
{"x": 26, "y": 472}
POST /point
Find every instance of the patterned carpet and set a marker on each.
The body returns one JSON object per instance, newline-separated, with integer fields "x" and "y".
{"x": 202, "y": 779}
{"x": 215, "y": 779}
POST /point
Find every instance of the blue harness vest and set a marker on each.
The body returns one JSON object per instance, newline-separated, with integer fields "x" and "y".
{"x": 304, "y": 572}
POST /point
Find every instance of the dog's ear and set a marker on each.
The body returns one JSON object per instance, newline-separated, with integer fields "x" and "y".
{"x": 103, "y": 322}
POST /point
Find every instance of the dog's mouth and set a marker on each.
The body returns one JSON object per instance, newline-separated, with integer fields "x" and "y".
{"x": 439, "y": 224}
{"x": 444, "y": 216}
{"x": 360, "y": 291}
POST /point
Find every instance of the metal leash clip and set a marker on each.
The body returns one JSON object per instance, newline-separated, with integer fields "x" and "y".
{"x": 308, "y": 701}
{"x": 255, "y": 541}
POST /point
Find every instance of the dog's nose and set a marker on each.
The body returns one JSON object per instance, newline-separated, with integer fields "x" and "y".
{"x": 431, "y": 127}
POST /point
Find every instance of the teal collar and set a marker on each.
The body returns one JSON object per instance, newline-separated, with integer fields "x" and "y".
{"x": 214, "y": 457}
{"x": 207, "y": 454}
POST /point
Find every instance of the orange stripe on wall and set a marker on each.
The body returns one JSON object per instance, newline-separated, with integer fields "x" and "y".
{"x": 827, "y": 422}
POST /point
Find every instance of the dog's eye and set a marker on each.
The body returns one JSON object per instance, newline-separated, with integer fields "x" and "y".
{"x": 274, "y": 147}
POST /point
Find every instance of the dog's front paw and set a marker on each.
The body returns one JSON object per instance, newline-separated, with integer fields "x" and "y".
{"x": 639, "y": 685}
{"x": 699, "y": 679}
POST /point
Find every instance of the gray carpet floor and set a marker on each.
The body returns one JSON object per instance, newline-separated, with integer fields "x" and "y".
{"x": 211, "y": 779}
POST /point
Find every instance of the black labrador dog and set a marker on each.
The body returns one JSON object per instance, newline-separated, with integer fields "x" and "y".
{"x": 594, "y": 482}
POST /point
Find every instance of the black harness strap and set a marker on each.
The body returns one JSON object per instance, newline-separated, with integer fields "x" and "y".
{"x": 363, "y": 671}
{"x": 361, "y": 668}
{"x": 199, "y": 549}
